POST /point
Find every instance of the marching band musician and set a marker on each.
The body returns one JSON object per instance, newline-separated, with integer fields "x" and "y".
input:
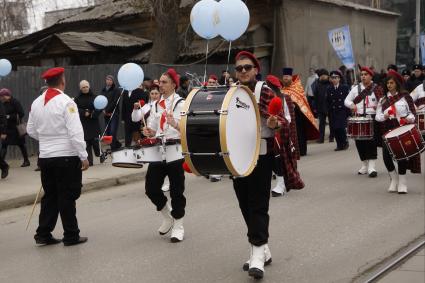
{"x": 164, "y": 121}
{"x": 363, "y": 100}
{"x": 418, "y": 95}
{"x": 394, "y": 109}
{"x": 253, "y": 191}
{"x": 55, "y": 122}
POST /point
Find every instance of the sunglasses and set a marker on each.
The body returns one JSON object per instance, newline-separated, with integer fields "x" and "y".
{"x": 246, "y": 67}
{"x": 334, "y": 77}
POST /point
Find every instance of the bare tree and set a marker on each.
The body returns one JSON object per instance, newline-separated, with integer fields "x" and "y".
{"x": 13, "y": 19}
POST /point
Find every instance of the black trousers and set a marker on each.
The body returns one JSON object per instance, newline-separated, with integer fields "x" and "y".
{"x": 340, "y": 137}
{"x": 277, "y": 166}
{"x": 3, "y": 163}
{"x": 253, "y": 193}
{"x": 92, "y": 145}
{"x": 302, "y": 139}
{"x": 155, "y": 179}
{"x": 128, "y": 135}
{"x": 389, "y": 163}
{"x": 61, "y": 179}
{"x": 322, "y": 126}
{"x": 367, "y": 149}
{"x": 22, "y": 147}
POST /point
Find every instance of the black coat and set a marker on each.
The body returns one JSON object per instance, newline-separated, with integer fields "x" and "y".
{"x": 320, "y": 89}
{"x": 338, "y": 113}
{"x": 112, "y": 94}
{"x": 90, "y": 123}
{"x": 413, "y": 82}
{"x": 3, "y": 121}
{"x": 14, "y": 114}
{"x": 128, "y": 105}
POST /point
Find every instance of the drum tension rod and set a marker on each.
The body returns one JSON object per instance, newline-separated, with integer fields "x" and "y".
{"x": 205, "y": 112}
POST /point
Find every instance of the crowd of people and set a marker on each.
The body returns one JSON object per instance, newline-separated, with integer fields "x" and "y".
{"x": 68, "y": 132}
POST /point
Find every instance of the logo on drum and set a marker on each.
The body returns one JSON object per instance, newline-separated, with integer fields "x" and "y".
{"x": 407, "y": 143}
{"x": 241, "y": 104}
{"x": 209, "y": 96}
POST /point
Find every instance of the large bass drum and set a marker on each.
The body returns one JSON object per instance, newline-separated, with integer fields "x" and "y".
{"x": 220, "y": 131}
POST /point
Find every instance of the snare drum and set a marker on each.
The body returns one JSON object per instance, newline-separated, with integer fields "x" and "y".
{"x": 404, "y": 142}
{"x": 125, "y": 158}
{"x": 173, "y": 150}
{"x": 360, "y": 128}
{"x": 150, "y": 151}
{"x": 220, "y": 131}
{"x": 420, "y": 120}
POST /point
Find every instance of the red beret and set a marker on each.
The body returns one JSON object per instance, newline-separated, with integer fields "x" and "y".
{"x": 368, "y": 70}
{"x": 393, "y": 74}
{"x": 174, "y": 76}
{"x": 250, "y": 56}
{"x": 5, "y": 92}
{"x": 52, "y": 73}
{"x": 213, "y": 77}
{"x": 274, "y": 81}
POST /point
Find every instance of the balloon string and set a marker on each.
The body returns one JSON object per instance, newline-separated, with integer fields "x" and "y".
{"x": 206, "y": 61}
{"x": 228, "y": 61}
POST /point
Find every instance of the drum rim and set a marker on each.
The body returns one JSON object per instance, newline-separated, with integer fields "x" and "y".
{"x": 222, "y": 130}
{"x": 183, "y": 132}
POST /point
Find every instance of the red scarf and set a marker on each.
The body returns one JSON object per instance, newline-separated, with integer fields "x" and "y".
{"x": 50, "y": 93}
{"x": 164, "y": 113}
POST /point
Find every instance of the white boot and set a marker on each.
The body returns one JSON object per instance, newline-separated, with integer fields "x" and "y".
{"x": 177, "y": 233}
{"x": 402, "y": 188}
{"x": 280, "y": 188}
{"x": 167, "y": 222}
{"x": 394, "y": 182}
{"x": 371, "y": 168}
{"x": 363, "y": 169}
{"x": 268, "y": 257}
{"x": 165, "y": 187}
{"x": 256, "y": 262}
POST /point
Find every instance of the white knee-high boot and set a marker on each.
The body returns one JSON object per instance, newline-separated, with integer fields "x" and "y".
{"x": 177, "y": 232}
{"x": 371, "y": 168}
{"x": 268, "y": 257}
{"x": 256, "y": 262}
{"x": 402, "y": 187}
{"x": 279, "y": 189}
{"x": 167, "y": 221}
{"x": 394, "y": 182}
{"x": 363, "y": 169}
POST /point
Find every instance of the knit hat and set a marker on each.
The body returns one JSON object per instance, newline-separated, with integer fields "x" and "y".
{"x": 111, "y": 77}
{"x": 5, "y": 92}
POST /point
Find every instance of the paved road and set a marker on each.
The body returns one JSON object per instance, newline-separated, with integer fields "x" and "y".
{"x": 334, "y": 229}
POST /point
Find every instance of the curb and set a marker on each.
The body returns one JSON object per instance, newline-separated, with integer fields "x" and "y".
{"x": 100, "y": 184}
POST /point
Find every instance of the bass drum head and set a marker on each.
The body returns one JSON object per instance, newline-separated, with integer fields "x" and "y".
{"x": 240, "y": 131}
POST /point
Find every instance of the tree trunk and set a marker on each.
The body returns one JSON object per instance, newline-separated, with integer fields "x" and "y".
{"x": 166, "y": 40}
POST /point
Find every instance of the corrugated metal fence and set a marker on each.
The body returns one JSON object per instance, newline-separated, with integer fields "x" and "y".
{"x": 25, "y": 84}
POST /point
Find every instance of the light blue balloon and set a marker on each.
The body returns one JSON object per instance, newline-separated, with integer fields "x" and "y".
{"x": 204, "y": 18}
{"x": 233, "y": 19}
{"x": 100, "y": 102}
{"x": 5, "y": 67}
{"x": 130, "y": 76}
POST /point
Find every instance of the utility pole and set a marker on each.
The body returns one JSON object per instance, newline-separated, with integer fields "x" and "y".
{"x": 418, "y": 30}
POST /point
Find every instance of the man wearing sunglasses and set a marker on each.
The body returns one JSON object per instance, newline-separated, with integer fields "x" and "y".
{"x": 253, "y": 191}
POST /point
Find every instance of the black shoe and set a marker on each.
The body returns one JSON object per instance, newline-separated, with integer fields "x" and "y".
{"x": 245, "y": 266}
{"x": 319, "y": 141}
{"x": 338, "y": 149}
{"x": 346, "y": 146}
{"x": 26, "y": 163}
{"x": 47, "y": 241}
{"x": 331, "y": 140}
{"x": 102, "y": 158}
{"x": 5, "y": 172}
{"x": 37, "y": 169}
{"x": 81, "y": 240}
{"x": 256, "y": 273}
{"x": 274, "y": 194}
{"x": 214, "y": 179}
{"x": 373, "y": 174}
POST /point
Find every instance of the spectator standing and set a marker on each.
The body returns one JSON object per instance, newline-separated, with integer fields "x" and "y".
{"x": 183, "y": 89}
{"x": 320, "y": 88}
{"x": 89, "y": 117}
{"x": 3, "y": 122}
{"x": 416, "y": 79}
{"x": 308, "y": 90}
{"x": 14, "y": 115}
{"x": 112, "y": 93}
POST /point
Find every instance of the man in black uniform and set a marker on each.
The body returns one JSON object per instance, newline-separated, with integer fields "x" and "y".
{"x": 416, "y": 79}
{"x": 3, "y": 122}
{"x": 338, "y": 113}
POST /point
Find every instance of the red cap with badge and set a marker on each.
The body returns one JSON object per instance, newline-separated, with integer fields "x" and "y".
{"x": 52, "y": 73}
{"x": 174, "y": 76}
{"x": 396, "y": 76}
{"x": 250, "y": 56}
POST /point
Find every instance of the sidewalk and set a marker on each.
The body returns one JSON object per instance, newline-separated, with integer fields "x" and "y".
{"x": 22, "y": 184}
{"x": 412, "y": 271}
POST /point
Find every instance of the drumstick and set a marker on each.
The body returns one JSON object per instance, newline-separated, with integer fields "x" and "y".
{"x": 33, "y": 207}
